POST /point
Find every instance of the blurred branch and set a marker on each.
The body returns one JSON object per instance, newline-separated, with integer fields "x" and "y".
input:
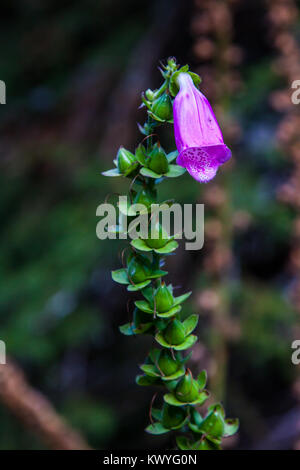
{"x": 35, "y": 411}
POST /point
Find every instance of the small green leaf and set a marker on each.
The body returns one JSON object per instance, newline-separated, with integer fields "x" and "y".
{"x": 127, "y": 329}
{"x": 231, "y": 427}
{"x": 174, "y": 376}
{"x": 196, "y": 79}
{"x": 149, "y": 173}
{"x": 181, "y": 298}
{"x": 154, "y": 355}
{"x": 172, "y": 400}
{"x": 120, "y": 276}
{"x": 188, "y": 343}
{"x": 132, "y": 167}
{"x": 146, "y": 380}
{"x": 218, "y": 408}
{"x": 168, "y": 248}
{"x": 148, "y": 293}
{"x": 150, "y": 370}
{"x": 112, "y": 172}
{"x": 156, "y": 413}
{"x": 173, "y": 87}
{"x": 175, "y": 171}
{"x": 144, "y": 306}
{"x": 169, "y": 313}
{"x": 161, "y": 340}
{"x": 193, "y": 427}
{"x": 204, "y": 444}
{"x": 190, "y": 324}
{"x": 140, "y": 154}
{"x": 156, "y": 118}
{"x": 158, "y": 273}
{"x": 202, "y": 379}
{"x": 139, "y": 286}
{"x": 172, "y": 155}
{"x": 139, "y": 244}
{"x": 156, "y": 428}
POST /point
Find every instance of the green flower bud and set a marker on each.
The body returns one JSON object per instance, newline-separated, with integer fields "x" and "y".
{"x": 187, "y": 389}
{"x": 158, "y": 161}
{"x": 167, "y": 364}
{"x": 172, "y": 416}
{"x": 150, "y": 95}
{"x": 138, "y": 271}
{"x": 213, "y": 424}
{"x": 126, "y": 161}
{"x": 162, "y": 107}
{"x": 175, "y": 332}
{"x": 159, "y": 238}
{"x": 163, "y": 299}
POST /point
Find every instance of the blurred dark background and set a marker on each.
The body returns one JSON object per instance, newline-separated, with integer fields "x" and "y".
{"x": 74, "y": 72}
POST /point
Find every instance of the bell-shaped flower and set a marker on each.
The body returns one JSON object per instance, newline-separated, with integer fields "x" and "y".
{"x": 198, "y": 136}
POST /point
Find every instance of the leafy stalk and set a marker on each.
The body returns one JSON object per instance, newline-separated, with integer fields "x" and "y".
{"x": 158, "y": 312}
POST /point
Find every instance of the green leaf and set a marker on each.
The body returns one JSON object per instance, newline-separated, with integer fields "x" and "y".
{"x": 188, "y": 343}
{"x": 144, "y": 306}
{"x": 181, "y": 298}
{"x": 112, "y": 172}
{"x": 156, "y": 428}
{"x": 149, "y": 173}
{"x": 132, "y": 167}
{"x": 156, "y": 413}
{"x": 161, "y": 340}
{"x": 172, "y": 155}
{"x": 156, "y": 118}
{"x": 127, "y": 329}
{"x": 150, "y": 370}
{"x": 174, "y": 376}
{"x": 193, "y": 427}
{"x": 146, "y": 380}
{"x": 148, "y": 293}
{"x": 231, "y": 427}
{"x": 120, "y": 276}
{"x": 158, "y": 273}
{"x": 172, "y": 400}
{"x": 169, "y": 313}
{"x": 143, "y": 328}
{"x": 173, "y": 87}
{"x": 219, "y": 408}
{"x": 204, "y": 444}
{"x": 196, "y": 79}
{"x": 202, "y": 379}
{"x": 139, "y": 244}
{"x": 154, "y": 355}
{"x": 140, "y": 154}
{"x": 168, "y": 248}
{"x": 135, "y": 287}
{"x": 190, "y": 324}
{"x": 175, "y": 171}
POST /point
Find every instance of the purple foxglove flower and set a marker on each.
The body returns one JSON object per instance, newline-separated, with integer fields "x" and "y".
{"x": 198, "y": 136}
